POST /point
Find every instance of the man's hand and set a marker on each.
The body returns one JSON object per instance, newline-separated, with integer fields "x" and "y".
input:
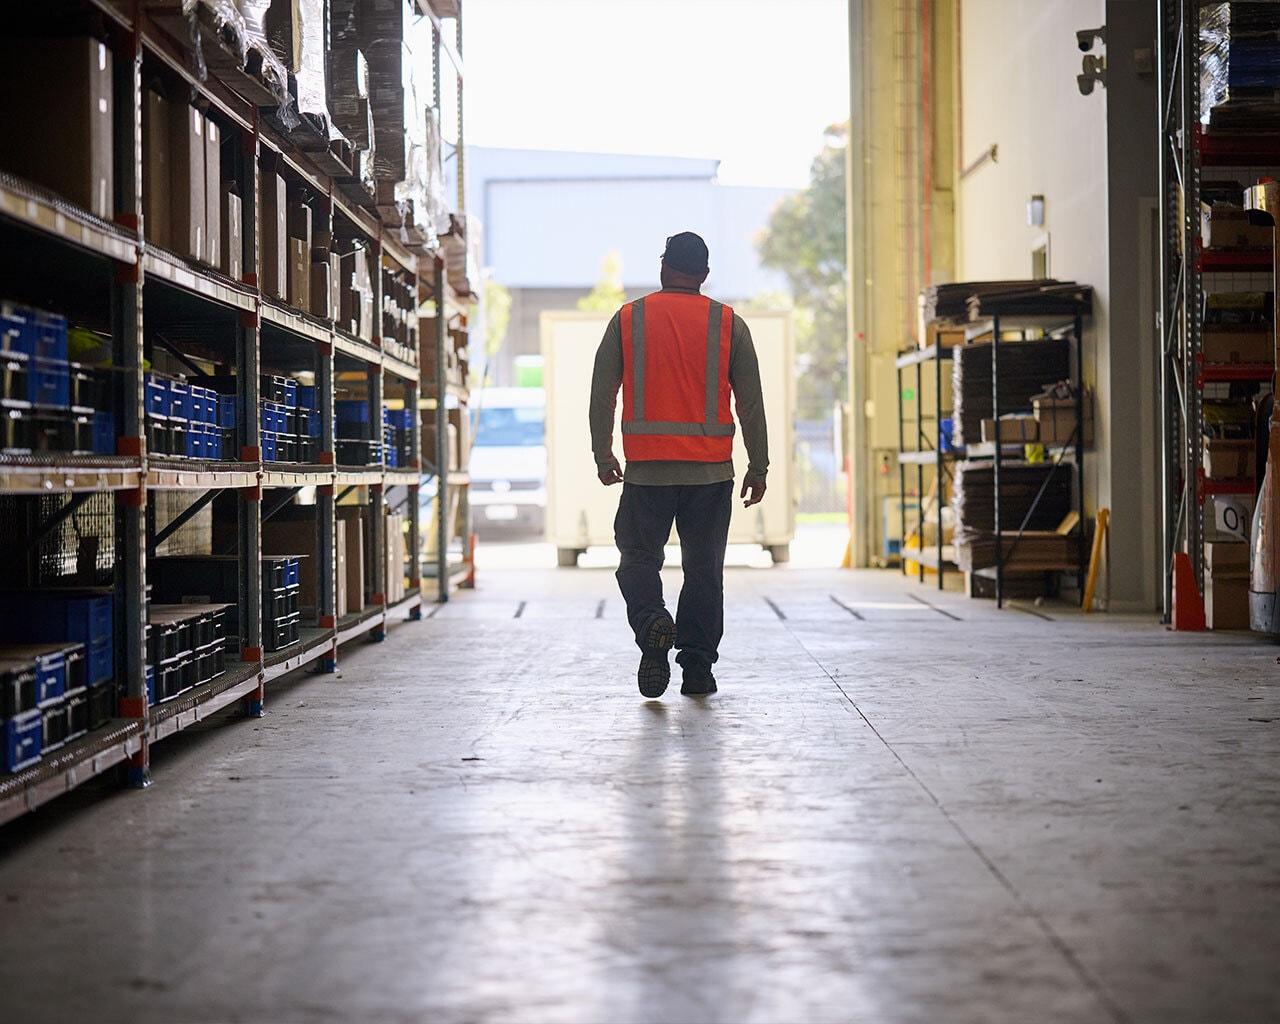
{"x": 755, "y": 487}
{"x": 611, "y": 474}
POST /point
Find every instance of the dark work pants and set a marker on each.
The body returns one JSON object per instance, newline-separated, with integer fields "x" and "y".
{"x": 641, "y": 528}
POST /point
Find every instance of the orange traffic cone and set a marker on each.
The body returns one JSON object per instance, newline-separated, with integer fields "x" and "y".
{"x": 1188, "y": 607}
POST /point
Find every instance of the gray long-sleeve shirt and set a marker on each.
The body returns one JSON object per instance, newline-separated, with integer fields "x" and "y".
{"x": 744, "y": 380}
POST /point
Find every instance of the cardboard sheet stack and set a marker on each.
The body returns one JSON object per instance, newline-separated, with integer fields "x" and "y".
{"x": 1033, "y": 496}
{"x": 1025, "y": 368}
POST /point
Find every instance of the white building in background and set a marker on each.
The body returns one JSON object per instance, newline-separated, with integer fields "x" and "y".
{"x": 551, "y": 218}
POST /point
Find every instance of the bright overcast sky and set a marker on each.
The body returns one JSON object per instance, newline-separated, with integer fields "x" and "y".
{"x": 752, "y": 83}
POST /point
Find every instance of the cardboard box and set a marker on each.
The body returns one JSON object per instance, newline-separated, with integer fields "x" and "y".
{"x": 187, "y": 180}
{"x": 1230, "y": 459}
{"x": 395, "y": 557}
{"x": 300, "y": 222}
{"x": 1238, "y": 343}
{"x": 231, "y": 247}
{"x": 56, "y": 117}
{"x": 1226, "y": 600}
{"x": 1224, "y": 226}
{"x": 1228, "y": 517}
{"x": 353, "y": 517}
{"x": 1228, "y": 557}
{"x": 273, "y": 215}
{"x": 156, "y": 170}
{"x": 299, "y": 274}
{"x": 335, "y": 282}
{"x": 1057, "y": 419}
{"x": 320, "y": 291}
{"x": 942, "y": 337}
{"x": 340, "y": 564}
{"x": 213, "y": 194}
{"x": 297, "y": 537}
{"x": 1016, "y": 428}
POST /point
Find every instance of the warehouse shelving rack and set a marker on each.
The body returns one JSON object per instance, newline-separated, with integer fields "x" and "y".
{"x": 1185, "y": 268}
{"x": 453, "y": 562}
{"x": 996, "y": 325}
{"x": 136, "y": 290}
{"x": 924, "y": 450}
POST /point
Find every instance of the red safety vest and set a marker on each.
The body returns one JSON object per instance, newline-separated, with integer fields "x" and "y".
{"x": 675, "y": 379}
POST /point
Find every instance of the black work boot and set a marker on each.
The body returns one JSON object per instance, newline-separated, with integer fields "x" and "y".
{"x": 654, "y": 672}
{"x": 698, "y": 680}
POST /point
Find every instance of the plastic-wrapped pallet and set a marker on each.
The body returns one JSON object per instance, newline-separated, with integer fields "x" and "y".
{"x": 1240, "y": 66}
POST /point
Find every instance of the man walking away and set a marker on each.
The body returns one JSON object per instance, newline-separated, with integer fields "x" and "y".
{"x": 677, "y": 355}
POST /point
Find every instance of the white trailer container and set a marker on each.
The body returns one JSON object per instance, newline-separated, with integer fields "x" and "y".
{"x": 580, "y": 510}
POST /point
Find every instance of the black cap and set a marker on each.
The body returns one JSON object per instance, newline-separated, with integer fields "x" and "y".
{"x": 686, "y": 253}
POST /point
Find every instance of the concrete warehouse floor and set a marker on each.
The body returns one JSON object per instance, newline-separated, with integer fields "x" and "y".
{"x": 902, "y": 806}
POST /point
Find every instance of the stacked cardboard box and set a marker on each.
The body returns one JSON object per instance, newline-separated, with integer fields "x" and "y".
{"x": 1226, "y": 584}
{"x": 1238, "y": 327}
{"x": 273, "y": 215}
{"x": 355, "y": 292}
{"x": 56, "y": 117}
{"x": 395, "y": 557}
{"x": 353, "y": 518}
{"x": 1025, "y": 368}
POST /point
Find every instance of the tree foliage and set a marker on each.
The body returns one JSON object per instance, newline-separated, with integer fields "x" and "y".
{"x": 805, "y": 241}
{"x": 608, "y": 294}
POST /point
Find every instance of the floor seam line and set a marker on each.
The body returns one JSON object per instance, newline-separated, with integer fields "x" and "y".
{"x": 1118, "y": 1015}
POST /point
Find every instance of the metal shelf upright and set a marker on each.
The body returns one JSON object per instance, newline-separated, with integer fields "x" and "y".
{"x": 1186, "y": 149}
{"x": 923, "y": 451}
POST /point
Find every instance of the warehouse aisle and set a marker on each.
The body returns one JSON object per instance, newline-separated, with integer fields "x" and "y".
{"x": 903, "y": 806}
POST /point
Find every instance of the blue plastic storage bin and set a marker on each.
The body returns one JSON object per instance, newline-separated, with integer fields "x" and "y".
{"x": 49, "y": 383}
{"x": 23, "y": 735}
{"x": 40, "y": 616}
{"x": 306, "y": 396}
{"x": 351, "y": 410}
{"x": 104, "y": 433}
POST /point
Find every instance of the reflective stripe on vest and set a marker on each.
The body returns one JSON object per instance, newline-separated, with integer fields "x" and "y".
{"x": 708, "y": 438}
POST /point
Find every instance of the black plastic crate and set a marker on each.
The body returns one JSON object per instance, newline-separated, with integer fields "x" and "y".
{"x": 54, "y": 720}
{"x": 169, "y": 637}
{"x": 349, "y": 430}
{"x": 159, "y": 436}
{"x": 13, "y": 376}
{"x": 209, "y": 627}
{"x": 275, "y": 389}
{"x": 76, "y": 669}
{"x": 280, "y": 602}
{"x": 77, "y": 716}
{"x": 17, "y": 688}
{"x": 280, "y": 633}
{"x": 188, "y": 579}
{"x": 169, "y": 680}
{"x": 358, "y": 453}
{"x": 102, "y": 703}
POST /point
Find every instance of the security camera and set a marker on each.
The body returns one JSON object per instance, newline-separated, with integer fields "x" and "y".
{"x": 1095, "y": 70}
{"x": 1086, "y": 36}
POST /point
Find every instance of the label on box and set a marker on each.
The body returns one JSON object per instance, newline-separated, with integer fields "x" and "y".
{"x": 1232, "y": 516}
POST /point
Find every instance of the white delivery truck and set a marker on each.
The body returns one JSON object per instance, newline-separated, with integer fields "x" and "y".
{"x": 580, "y": 510}
{"x": 508, "y": 463}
